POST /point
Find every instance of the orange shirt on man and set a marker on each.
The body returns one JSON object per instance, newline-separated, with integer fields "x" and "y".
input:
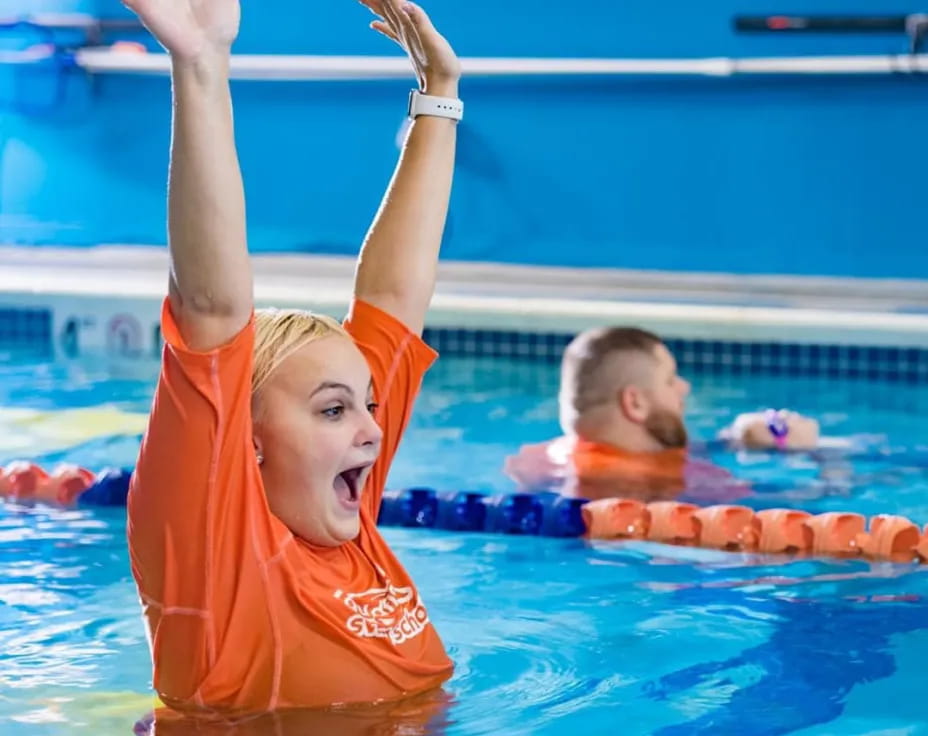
{"x": 594, "y": 470}
{"x": 604, "y": 471}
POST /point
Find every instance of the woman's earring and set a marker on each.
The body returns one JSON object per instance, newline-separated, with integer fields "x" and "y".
{"x": 260, "y": 458}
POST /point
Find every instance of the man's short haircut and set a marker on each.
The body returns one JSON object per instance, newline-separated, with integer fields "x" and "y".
{"x": 597, "y": 354}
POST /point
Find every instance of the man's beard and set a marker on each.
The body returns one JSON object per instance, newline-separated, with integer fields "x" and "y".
{"x": 667, "y": 428}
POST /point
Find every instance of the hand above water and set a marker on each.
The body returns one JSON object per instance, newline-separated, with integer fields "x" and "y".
{"x": 190, "y": 29}
{"x": 435, "y": 64}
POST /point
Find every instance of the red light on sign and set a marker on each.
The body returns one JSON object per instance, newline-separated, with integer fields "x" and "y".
{"x": 779, "y": 23}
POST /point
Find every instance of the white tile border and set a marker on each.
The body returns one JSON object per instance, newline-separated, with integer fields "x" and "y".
{"x": 113, "y": 295}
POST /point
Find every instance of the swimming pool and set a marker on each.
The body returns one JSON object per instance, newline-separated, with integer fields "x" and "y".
{"x": 547, "y": 635}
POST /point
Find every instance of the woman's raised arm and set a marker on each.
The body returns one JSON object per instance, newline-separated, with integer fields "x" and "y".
{"x": 210, "y": 285}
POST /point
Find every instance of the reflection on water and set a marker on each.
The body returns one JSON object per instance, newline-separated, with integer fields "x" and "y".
{"x": 548, "y": 636}
{"x": 416, "y": 716}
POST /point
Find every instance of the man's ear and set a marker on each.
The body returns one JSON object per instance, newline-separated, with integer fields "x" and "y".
{"x": 634, "y": 404}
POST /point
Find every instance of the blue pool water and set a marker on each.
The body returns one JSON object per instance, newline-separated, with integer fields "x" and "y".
{"x": 549, "y": 636}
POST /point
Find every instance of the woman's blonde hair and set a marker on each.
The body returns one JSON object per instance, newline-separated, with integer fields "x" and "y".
{"x": 281, "y": 332}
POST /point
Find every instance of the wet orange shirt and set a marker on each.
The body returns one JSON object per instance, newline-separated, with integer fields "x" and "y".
{"x": 604, "y": 471}
{"x": 242, "y": 614}
{"x": 577, "y": 467}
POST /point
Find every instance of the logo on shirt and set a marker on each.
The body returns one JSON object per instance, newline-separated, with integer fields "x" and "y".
{"x": 391, "y": 612}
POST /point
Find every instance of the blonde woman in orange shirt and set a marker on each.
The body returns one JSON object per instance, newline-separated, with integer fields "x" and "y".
{"x": 264, "y": 581}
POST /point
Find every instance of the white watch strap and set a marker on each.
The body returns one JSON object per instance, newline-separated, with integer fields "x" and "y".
{"x": 441, "y": 107}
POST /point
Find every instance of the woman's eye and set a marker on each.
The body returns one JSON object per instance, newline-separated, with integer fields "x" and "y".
{"x": 372, "y": 407}
{"x": 333, "y": 412}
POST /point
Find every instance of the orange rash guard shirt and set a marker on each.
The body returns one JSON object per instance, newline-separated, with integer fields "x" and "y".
{"x": 241, "y": 614}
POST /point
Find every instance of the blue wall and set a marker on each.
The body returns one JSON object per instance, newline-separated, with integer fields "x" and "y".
{"x": 746, "y": 175}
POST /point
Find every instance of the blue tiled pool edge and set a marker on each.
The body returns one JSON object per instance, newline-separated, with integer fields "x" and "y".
{"x": 710, "y": 356}
{"x": 30, "y": 328}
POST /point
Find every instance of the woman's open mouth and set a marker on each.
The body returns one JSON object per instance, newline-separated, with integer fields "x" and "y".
{"x": 348, "y": 485}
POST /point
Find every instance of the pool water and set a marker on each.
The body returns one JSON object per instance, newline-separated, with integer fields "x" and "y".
{"x": 548, "y": 636}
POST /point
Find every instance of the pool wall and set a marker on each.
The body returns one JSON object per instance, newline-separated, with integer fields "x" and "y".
{"x": 745, "y": 175}
{"x": 106, "y": 302}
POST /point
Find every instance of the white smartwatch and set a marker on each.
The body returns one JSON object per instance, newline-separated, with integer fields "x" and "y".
{"x": 440, "y": 107}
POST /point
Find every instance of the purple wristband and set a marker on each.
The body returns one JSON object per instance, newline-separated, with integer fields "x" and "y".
{"x": 776, "y": 423}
